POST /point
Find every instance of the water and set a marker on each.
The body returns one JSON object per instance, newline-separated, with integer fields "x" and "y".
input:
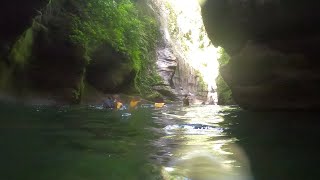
{"x": 172, "y": 143}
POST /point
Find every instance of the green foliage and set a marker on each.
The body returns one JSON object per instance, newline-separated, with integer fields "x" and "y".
{"x": 224, "y": 57}
{"x": 120, "y": 24}
{"x": 202, "y": 85}
{"x": 223, "y": 90}
{"x": 145, "y": 81}
{"x": 172, "y": 23}
{"x": 188, "y": 36}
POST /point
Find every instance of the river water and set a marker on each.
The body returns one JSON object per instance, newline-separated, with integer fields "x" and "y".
{"x": 172, "y": 143}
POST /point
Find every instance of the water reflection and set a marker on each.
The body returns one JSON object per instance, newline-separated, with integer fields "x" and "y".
{"x": 199, "y": 147}
{"x": 69, "y": 143}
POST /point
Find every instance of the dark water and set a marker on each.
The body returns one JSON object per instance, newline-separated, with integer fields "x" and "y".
{"x": 173, "y": 143}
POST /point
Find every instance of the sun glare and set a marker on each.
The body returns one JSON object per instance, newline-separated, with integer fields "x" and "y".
{"x": 192, "y": 38}
{"x": 201, "y": 2}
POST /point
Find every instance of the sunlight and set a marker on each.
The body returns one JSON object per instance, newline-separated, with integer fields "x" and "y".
{"x": 196, "y": 161}
{"x": 191, "y": 38}
{"x": 169, "y": 169}
{"x": 201, "y": 2}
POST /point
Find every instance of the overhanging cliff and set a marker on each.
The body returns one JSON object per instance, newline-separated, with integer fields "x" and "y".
{"x": 273, "y": 46}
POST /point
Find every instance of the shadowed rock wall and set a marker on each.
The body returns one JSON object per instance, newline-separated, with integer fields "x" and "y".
{"x": 273, "y": 46}
{"x": 38, "y": 57}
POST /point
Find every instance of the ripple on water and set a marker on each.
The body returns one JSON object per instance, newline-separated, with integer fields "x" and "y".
{"x": 196, "y": 146}
{"x": 88, "y": 141}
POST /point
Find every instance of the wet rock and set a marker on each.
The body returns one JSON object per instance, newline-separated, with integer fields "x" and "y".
{"x": 109, "y": 70}
{"x": 172, "y": 61}
{"x": 38, "y": 55}
{"x": 15, "y": 17}
{"x": 165, "y": 91}
{"x": 273, "y": 47}
{"x": 166, "y": 65}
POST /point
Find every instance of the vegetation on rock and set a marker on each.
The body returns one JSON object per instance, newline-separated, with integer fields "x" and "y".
{"x": 223, "y": 90}
{"x": 70, "y": 39}
{"x": 129, "y": 32}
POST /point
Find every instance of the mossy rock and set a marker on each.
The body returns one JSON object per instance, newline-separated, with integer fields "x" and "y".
{"x": 224, "y": 92}
{"x": 166, "y": 93}
{"x": 23, "y": 47}
{"x": 155, "y": 96}
{"x": 110, "y": 70}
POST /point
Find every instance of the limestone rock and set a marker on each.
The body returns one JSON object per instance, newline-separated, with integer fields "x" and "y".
{"x": 273, "y": 46}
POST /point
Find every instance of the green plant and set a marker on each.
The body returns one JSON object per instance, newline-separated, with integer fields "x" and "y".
{"x": 223, "y": 90}
{"x": 126, "y": 29}
{"x": 202, "y": 85}
{"x": 172, "y": 21}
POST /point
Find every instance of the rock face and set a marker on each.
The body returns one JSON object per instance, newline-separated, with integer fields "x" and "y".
{"x": 15, "y": 18}
{"x": 38, "y": 58}
{"x": 178, "y": 77}
{"x": 56, "y": 65}
{"x": 109, "y": 71}
{"x": 167, "y": 65}
{"x": 173, "y": 53}
{"x": 273, "y": 46}
{"x": 167, "y": 68}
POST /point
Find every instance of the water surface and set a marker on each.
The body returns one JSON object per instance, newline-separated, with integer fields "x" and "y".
{"x": 197, "y": 142}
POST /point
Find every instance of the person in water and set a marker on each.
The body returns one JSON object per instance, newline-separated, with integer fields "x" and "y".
{"x": 108, "y": 103}
{"x": 211, "y": 101}
{"x": 185, "y": 100}
{"x": 118, "y": 103}
{"x": 134, "y": 102}
{"x": 159, "y": 102}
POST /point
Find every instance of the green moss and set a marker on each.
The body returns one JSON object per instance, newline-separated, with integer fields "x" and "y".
{"x": 22, "y": 49}
{"x": 153, "y": 96}
{"x": 223, "y": 90}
